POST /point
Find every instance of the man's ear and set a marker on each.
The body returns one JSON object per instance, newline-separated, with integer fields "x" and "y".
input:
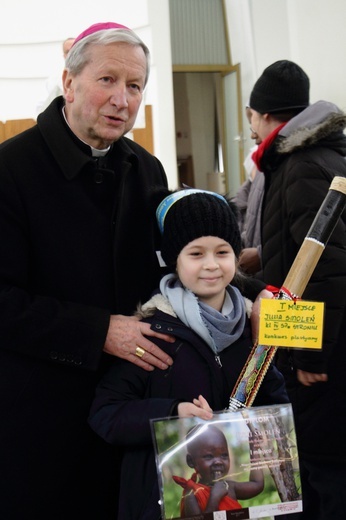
{"x": 189, "y": 461}
{"x": 67, "y": 85}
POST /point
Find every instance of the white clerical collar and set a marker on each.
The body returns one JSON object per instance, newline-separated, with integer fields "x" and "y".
{"x": 94, "y": 151}
{"x": 98, "y": 153}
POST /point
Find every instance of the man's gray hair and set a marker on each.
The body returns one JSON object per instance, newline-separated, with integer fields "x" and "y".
{"x": 78, "y": 56}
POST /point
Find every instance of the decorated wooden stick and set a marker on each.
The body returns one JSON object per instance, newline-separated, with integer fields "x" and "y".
{"x": 294, "y": 285}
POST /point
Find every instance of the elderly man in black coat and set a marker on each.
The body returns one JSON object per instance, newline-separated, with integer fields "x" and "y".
{"x": 78, "y": 253}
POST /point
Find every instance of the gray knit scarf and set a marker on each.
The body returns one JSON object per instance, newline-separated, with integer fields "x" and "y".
{"x": 218, "y": 329}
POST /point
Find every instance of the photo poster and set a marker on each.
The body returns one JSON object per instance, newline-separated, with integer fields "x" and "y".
{"x": 261, "y": 453}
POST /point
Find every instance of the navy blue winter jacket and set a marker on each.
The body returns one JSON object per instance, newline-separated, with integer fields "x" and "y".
{"x": 128, "y": 397}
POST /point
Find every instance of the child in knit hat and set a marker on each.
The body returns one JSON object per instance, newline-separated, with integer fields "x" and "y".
{"x": 198, "y": 305}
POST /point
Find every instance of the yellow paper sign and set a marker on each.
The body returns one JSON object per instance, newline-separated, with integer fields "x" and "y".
{"x": 285, "y": 323}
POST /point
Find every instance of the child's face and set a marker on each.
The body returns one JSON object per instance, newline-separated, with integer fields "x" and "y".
{"x": 206, "y": 266}
{"x": 210, "y": 457}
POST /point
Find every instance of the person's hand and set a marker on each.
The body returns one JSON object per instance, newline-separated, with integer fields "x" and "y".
{"x": 198, "y": 408}
{"x": 249, "y": 260}
{"x": 202, "y": 403}
{"x": 255, "y": 314}
{"x": 125, "y": 339}
{"x": 219, "y": 490}
{"x": 309, "y": 378}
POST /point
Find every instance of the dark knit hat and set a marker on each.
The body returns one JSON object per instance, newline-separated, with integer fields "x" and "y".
{"x": 283, "y": 86}
{"x": 188, "y": 214}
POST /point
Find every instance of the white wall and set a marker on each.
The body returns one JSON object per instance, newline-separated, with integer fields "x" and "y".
{"x": 162, "y": 96}
{"x": 309, "y": 32}
{"x": 317, "y": 36}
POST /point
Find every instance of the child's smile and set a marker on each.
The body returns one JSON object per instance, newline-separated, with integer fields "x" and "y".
{"x": 206, "y": 266}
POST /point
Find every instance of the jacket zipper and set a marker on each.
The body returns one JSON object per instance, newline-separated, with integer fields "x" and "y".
{"x": 218, "y": 360}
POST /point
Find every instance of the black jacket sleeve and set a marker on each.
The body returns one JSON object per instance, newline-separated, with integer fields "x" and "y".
{"x": 121, "y": 413}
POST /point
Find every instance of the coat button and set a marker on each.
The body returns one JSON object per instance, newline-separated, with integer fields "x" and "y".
{"x": 170, "y": 329}
{"x": 157, "y": 326}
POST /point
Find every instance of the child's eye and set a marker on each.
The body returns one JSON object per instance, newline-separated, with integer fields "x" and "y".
{"x": 207, "y": 457}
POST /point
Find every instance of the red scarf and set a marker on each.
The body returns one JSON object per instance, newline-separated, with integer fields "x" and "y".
{"x": 265, "y": 144}
{"x": 202, "y": 494}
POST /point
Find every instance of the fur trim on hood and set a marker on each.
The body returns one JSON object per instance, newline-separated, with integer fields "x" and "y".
{"x": 316, "y": 123}
{"x": 159, "y": 302}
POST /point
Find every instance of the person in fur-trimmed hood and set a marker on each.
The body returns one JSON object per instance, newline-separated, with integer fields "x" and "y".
{"x": 303, "y": 147}
{"x": 197, "y": 304}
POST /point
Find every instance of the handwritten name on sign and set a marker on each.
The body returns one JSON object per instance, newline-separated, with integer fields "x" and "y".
{"x": 285, "y": 323}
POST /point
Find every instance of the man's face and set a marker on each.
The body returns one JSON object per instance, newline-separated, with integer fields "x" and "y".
{"x": 102, "y": 101}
